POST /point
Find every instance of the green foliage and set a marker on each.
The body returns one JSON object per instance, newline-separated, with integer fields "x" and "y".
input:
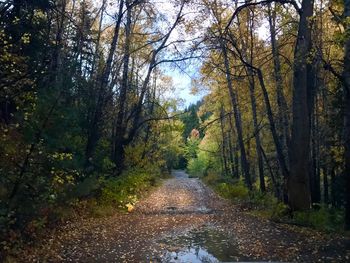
{"x": 324, "y": 219}
{"x": 197, "y": 167}
{"x": 232, "y": 191}
{"x": 279, "y": 211}
{"x": 211, "y": 178}
{"x": 190, "y": 119}
{"x": 127, "y": 188}
{"x": 259, "y": 200}
{"x": 191, "y": 148}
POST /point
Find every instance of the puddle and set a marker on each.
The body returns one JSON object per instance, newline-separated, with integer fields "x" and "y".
{"x": 207, "y": 244}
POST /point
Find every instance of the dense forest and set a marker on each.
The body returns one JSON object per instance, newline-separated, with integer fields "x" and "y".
{"x": 86, "y": 111}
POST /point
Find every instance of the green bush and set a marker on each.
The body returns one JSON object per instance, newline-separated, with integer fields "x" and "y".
{"x": 233, "y": 191}
{"x": 197, "y": 167}
{"x": 127, "y": 188}
{"x": 262, "y": 200}
{"x": 211, "y": 178}
{"x": 325, "y": 219}
{"x": 279, "y": 211}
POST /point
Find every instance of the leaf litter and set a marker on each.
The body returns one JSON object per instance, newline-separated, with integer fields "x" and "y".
{"x": 185, "y": 221}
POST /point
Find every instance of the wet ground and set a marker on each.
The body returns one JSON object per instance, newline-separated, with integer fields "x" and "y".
{"x": 184, "y": 221}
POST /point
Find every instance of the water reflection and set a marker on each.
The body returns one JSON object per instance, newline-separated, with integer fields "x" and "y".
{"x": 207, "y": 244}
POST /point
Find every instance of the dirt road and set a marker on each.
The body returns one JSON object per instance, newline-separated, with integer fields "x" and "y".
{"x": 184, "y": 221}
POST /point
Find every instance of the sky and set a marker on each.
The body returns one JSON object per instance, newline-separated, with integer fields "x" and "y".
{"x": 182, "y": 85}
{"x": 182, "y": 82}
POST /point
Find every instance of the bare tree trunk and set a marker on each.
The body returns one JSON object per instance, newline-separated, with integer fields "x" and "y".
{"x": 231, "y": 152}
{"x": 257, "y": 135}
{"x": 299, "y": 151}
{"x": 325, "y": 185}
{"x": 96, "y": 55}
{"x": 346, "y": 75}
{"x": 315, "y": 157}
{"x": 123, "y": 137}
{"x": 95, "y": 123}
{"x": 237, "y": 115}
{"x": 223, "y": 137}
{"x": 120, "y": 123}
{"x": 235, "y": 163}
{"x": 333, "y": 186}
{"x": 279, "y": 149}
{"x": 273, "y": 178}
{"x": 250, "y": 21}
{"x": 283, "y": 120}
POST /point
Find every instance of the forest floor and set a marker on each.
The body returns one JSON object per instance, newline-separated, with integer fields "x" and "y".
{"x": 185, "y": 221}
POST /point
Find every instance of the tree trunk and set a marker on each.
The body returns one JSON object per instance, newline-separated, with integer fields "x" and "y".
{"x": 282, "y": 115}
{"x": 237, "y": 115}
{"x": 346, "y": 75}
{"x": 325, "y": 185}
{"x": 94, "y": 127}
{"x": 120, "y": 123}
{"x": 315, "y": 181}
{"x": 279, "y": 149}
{"x": 223, "y": 147}
{"x": 256, "y": 132}
{"x": 249, "y": 71}
{"x": 235, "y": 163}
{"x": 299, "y": 151}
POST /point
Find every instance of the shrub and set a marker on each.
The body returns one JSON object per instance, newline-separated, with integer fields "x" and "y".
{"x": 197, "y": 167}
{"x": 211, "y": 178}
{"x": 233, "y": 191}
{"x": 127, "y": 188}
{"x": 262, "y": 200}
{"x": 279, "y": 211}
{"x": 322, "y": 219}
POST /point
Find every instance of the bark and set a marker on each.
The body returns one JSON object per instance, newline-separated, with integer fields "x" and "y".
{"x": 299, "y": 151}
{"x": 273, "y": 178}
{"x": 333, "y": 187}
{"x": 279, "y": 149}
{"x": 231, "y": 154}
{"x": 235, "y": 163}
{"x": 346, "y": 75}
{"x": 152, "y": 98}
{"x": 96, "y": 55}
{"x": 257, "y": 135}
{"x": 248, "y": 42}
{"x": 223, "y": 137}
{"x": 237, "y": 116}
{"x": 325, "y": 186}
{"x": 254, "y": 110}
{"x": 315, "y": 180}
{"x": 95, "y": 122}
{"x": 120, "y": 123}
{"x": 124, "y": 137}
{"x": 282, "y": 115}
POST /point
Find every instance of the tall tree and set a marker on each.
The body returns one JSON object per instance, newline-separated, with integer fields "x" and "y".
{"x": 298, "y": 181}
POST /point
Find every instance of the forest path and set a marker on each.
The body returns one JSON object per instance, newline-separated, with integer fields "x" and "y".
{"x": 185, "y": 221}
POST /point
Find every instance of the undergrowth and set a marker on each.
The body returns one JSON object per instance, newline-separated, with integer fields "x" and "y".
{"x": 124, "y": 191}
{"x": 91, "y": 198}
{"x": 266, "y": 205}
